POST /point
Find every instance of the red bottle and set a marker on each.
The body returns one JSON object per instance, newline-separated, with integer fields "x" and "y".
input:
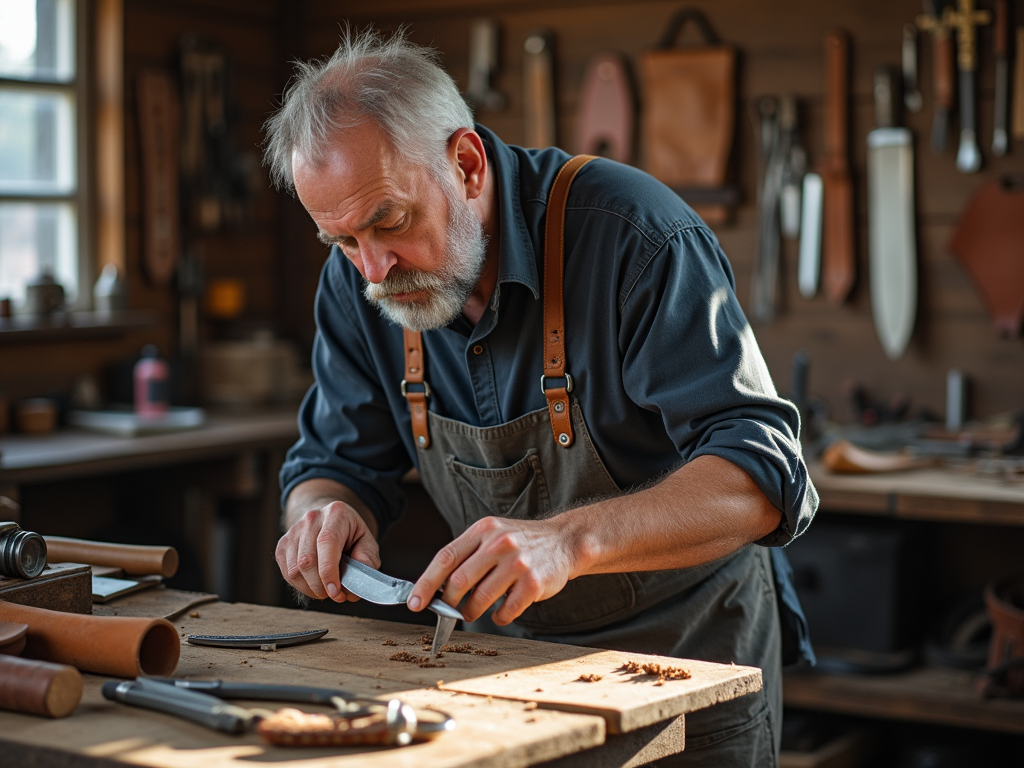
{"x": 152, "y": 383}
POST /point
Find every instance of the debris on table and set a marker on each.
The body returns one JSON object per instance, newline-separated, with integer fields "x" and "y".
{"x": 663, "y": 672}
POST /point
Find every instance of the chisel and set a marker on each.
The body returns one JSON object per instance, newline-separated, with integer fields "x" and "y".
{"x": 891, "y": 239}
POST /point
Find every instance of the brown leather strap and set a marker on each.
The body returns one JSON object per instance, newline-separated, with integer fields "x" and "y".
{"x": 417, "y": 398}
{"x": 554, "y": 314}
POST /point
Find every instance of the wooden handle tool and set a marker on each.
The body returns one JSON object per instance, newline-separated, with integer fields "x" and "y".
{"x": 134, "y": 560}
{"x": 838, "y": 254}
{"x": 39, "y": 687}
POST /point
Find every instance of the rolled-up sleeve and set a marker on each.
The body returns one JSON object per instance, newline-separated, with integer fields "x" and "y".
{"x": 345, "y": 405}
{"x": 689, "y": 355}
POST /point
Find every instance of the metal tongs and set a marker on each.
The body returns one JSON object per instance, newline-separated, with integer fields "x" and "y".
{"x": 370, "y": 584}
{"x": 201, "y": 701}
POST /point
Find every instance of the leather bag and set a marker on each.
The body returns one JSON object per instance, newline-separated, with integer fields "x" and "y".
{"x": 688, "y": 116}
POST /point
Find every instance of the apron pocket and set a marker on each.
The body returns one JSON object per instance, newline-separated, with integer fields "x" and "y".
{"x": 518, "y": 492}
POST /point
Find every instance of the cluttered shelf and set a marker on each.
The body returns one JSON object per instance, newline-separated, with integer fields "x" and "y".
{"x": 926, "y": 694}
{"x": 64, "y": 326}
{"x": 942, "y": 494}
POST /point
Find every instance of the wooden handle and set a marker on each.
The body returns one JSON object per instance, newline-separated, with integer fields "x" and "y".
{"x": 133, "y": 560}
{"x": 1018, "y": 87}
{"x": 39, "y": 687}
{"x": 943, "y": 74}
{"x": 837, "y": 82}
{"x": 1001, "y": 33}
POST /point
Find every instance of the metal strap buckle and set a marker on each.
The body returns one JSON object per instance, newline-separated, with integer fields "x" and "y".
{"x": 426, "y": 388}
{"x": 543, "y": 389}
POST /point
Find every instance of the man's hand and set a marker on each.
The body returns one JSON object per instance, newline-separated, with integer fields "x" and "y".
{"x": 522, "y": 560}
{"x": 323, "y": 528}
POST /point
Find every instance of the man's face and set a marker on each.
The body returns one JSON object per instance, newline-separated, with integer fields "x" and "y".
{"x": 416, "y": 242}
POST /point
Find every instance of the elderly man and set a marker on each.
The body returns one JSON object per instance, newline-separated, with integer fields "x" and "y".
{"x": 565, "y": 363}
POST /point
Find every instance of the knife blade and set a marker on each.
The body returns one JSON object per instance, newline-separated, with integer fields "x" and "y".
{"x": 891, "y": 238}
{"x": 1001, "y": 41}
{"x": 370, "y": 584}
{"x": 809, "y": 264}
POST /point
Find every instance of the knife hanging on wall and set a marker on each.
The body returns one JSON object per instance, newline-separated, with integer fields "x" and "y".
{"x": 764, "y": 286}
{"x": 838, "y": 255}
{"x": 891, "y": 237}
{"x": 538, "y": 90}
{"x": 935, "y": 21}
{"x": 965, "y": 20}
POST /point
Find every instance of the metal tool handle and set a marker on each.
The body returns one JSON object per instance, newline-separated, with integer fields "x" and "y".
{"x": 299, "y": 694}
{"x": 197, "y": 707}
{"x": 911, "y": 94}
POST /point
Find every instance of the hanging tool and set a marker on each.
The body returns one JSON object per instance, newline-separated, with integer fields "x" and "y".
{"x": 794, "y": 166}
{"x": 936, "y": 22}
{"x": 1001, "y": 42}
{"x": 838, "y": 251}
{"x": 538, "y": 90}
{"x": 605, "y": 123}
{"x": 766, "y": 267}
{"x": 1018, "y": 88}
{"x": 370, "y": 584}
{"x": 891, "y": 238}
{"x": 965, "y": 20}
{"x": 911, "y": 93}
{"x": 483, "y": 63}
{"x": 809, "y": 264}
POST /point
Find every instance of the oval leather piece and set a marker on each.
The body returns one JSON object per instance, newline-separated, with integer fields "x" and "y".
{"x": 12, "y": 637}
{"x": 606, "y": 117}
{"x": 988, "y": 241}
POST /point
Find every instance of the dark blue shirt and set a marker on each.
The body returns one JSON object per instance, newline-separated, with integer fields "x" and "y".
{"x": 664, "y": 363}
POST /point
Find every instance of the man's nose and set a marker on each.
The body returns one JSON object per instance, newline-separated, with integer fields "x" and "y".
{"x": 377, "y": 262}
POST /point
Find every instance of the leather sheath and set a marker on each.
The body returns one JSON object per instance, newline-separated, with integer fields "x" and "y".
{"x": 108, "y": 645}
{"x": 689, "y": 111}
{"x": 989, "y": 242}
{"x": 132, "y": 559}
{"x": 605, "y": 123}
{"x": 39, "y": 687}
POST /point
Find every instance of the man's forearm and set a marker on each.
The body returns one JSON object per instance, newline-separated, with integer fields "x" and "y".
{"x": 319, "y": 492}
{"x": 704, "y": 510}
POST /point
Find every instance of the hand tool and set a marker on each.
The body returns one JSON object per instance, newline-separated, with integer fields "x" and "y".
{"x": 370, "y": 584}
{"x": 1001, "y": 39}
{"x": 809, "y": 264}
{"x": 911, "y": 93}
{"x": 794, "y": 166}
{"x": 965, "y": 20}
{"x": 356, "y": 720}
{"x": 838, "y": 250}
{"x": 891, "y": 236}
{"x": 538, "y": 90}
{"x": 764, "y": 286}
{"x": 483, "y": 62}
{"x": 1018, "y": 88}
{"x": 936, "y": 22}
{"x": 281, "y": 639}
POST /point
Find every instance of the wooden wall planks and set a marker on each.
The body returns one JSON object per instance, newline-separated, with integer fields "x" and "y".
{"x": 781, "y": 52}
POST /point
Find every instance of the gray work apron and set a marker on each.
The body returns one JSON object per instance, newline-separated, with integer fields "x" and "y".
{"x": 722, "y": 611}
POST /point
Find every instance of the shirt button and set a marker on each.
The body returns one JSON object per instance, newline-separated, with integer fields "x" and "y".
{"x": 477, "y": 349}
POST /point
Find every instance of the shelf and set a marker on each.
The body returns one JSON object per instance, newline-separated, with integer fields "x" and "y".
{"x": 941, "y": 495}
{"x": 926, "y": 695}
{"x": 74, "y": 325}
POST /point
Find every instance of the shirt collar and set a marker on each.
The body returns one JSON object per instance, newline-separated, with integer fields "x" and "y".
{"x": 517, "y": 262}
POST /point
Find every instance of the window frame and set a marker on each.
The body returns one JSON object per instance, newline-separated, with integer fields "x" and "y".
{"x": 78, "y": 88}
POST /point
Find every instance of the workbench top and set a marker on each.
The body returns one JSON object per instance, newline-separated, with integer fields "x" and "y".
{"x": 516, "y": 702}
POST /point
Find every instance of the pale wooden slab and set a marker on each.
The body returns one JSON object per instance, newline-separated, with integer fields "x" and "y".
{"x": 519, "y": 669}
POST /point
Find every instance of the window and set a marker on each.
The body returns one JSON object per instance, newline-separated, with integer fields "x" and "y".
{"x": 41, "y": 148}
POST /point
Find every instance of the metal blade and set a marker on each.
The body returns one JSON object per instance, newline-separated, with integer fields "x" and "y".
{"x": 370, "y": 584}
{"x": 810, "y": 236}
{"x": 445, "y": 625}
{"x": 968, "y": 156}
{"x": 893, "y": 247}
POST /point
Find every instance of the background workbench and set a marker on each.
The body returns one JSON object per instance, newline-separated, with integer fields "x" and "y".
{"x": 523, "y": 704}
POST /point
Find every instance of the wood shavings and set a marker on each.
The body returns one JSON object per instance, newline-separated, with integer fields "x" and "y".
{"x": 530, "y": 705}
{"x": 485, "y": 652}
{"x": 389, "y": 642}
{"x": 589, "y": 678}
{"x": 194, "y": 615}
{"x": 439, "y": 684}
{"x": 663, "y": 673}
{"x": 421, "y": 661}
{"x": 292, "y": 727}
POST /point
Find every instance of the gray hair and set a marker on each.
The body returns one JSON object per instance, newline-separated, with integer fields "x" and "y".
{"x": 397, "y": 84}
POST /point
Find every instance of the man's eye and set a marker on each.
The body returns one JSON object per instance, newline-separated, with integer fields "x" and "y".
{"x": 394, "y": 227}
{"x": 348, "y": 244}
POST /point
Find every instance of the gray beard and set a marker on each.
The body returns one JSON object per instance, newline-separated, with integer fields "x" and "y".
{"x": 447, "y": 290}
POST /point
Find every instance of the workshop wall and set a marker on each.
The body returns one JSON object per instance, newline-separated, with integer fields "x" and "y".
{"x": 781, "y": 52}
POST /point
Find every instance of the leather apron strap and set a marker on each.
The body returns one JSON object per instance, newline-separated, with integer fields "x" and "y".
{"x": 554, "y": 325}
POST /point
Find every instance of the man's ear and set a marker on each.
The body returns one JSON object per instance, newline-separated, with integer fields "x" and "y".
{"x": 467, "y": 150}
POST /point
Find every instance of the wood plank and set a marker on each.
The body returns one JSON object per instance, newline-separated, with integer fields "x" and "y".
{"x": 516, "y": 670}
{"x": 926, "y": 694}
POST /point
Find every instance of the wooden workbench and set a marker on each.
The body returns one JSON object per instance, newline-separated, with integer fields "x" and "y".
{"x": 522, "y": 706}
